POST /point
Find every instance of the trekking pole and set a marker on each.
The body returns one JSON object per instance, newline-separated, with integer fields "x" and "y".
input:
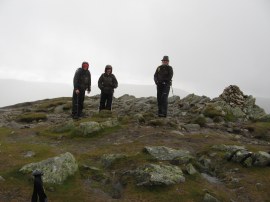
{"x": 172, "y": 91}
{"x": 78, "y": 105}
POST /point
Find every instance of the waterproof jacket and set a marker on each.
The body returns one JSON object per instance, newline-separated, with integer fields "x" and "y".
{"x": 163, "y": 75}
{"x": 82, "y": 79}
{"x": 107, "y": 83}
{"x": 38, "y": 193}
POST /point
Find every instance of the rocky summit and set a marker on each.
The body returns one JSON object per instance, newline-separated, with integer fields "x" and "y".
{"x": 205, "y": 150}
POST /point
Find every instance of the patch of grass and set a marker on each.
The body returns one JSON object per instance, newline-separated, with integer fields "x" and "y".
{"x": 71, "y": 190}
{"x": 30, "y": 117}
{"x": 260, "y": 130}
{"x": 12, "y": 154}
{"x": 230, "y": 117}
{"x": 52, "y": 103}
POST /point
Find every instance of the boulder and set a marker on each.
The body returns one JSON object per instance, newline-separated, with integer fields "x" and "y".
{"x": 88, "y": 128}
{"x": 240, "y": 156}
{"x": 262, "y": 159}
{"x": 166, "y": 153}
{"x": 56, "y": 169}
{"x": 209, "y": 198}
{"x": 109, "y": 123}
{"x": 153, "y": 174}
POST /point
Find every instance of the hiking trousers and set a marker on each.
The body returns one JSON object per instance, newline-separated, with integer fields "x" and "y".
{"x": 162, "y": 99}
{"x": 77, "y": 102}
{"x": 106, "y": 101}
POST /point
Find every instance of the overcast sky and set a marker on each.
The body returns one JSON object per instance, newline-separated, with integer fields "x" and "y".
{"x": 211, "y": 43}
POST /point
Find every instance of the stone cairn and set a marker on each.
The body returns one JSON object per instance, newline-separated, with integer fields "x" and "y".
{"x": 233, "y": 96}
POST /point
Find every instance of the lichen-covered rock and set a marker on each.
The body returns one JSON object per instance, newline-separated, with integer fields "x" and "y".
{"x": 262, "y": 159}
{"x": 153, "y": 174}
{"x": 88, "y": 128}
{"x": 166, "y": 153}
{"x": 109, "y": 123}
{"x": 190, "y": 169}
{"x": 55, "y": 169}
{"x": 209, "y": 198}
{"x": 240, "y": 155}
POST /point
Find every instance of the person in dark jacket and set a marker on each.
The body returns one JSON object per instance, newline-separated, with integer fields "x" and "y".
{"x": 38, "y": 192}
{"x": 163, "y": 80}
{"x": 81, "y": 83}
{"x": 107, "y": 83}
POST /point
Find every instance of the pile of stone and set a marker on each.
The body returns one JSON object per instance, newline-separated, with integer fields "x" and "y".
{"x": 233, "y": 96}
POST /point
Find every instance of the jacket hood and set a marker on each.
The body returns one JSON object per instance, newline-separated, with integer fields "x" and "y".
{"x": 108, "y": 67}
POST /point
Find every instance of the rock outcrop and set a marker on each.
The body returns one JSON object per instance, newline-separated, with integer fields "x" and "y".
{"x": 55, "y": 169}
{"x": 153, "y": 174}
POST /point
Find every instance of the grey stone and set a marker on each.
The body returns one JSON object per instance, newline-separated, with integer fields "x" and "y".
{"x": 29, "y": 154}
{"x": 59, "y": 109}
{"x": 139, "y": 118}
{"x": 153, "y": 174}
{"x": 191, "y": 127}
{"x": 210, "y": 179}
{"x": 205, "y": 162}
{"x": 237, "y": 112}
{"x": 2, "y": 179}
{"x": 88, "y": 128}
{"x": 262, "y": 159}
{"x": 166, "y": 153}
{"x": 55, "y": 169}
{"x": 109, "y": 123}
{"x": 190, "y": 169}
{"x": 240, "y": 155}
{"x": 209, "y": 198}
{"x": 173, "y": 99}
{"x": 248, "y": 162}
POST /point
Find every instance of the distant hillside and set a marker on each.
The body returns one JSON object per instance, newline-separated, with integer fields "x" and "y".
{"x": 16, "y": 91}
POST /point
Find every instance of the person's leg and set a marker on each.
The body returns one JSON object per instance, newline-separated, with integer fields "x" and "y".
{"x": 164, "y": 100}
{"x": 109, "y": 101}
{"x": 81, "y": 101}
{"x": 74, "y": 104}
{"x": 159, "y": 93}
{"x": 102, "y": 101}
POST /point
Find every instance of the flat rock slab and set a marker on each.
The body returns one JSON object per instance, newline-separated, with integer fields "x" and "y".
{"x": 55, "y": 169}
{"x": 167, "y": 154}
{"x": 153, "y": 174}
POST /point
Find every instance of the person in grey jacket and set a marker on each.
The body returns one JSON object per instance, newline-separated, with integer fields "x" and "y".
{"x": 107, "y": 83}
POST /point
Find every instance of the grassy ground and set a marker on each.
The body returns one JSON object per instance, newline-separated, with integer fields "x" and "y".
{"x": 130, "y": 139}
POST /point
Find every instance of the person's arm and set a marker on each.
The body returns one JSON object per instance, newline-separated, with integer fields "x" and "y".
{"x": 115, "y": 82}
{"x": 156, "y": 77}
{"x": 100, "y": 82}
{"x": 171, "y": 73}
{"x": 76, "y": 79}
